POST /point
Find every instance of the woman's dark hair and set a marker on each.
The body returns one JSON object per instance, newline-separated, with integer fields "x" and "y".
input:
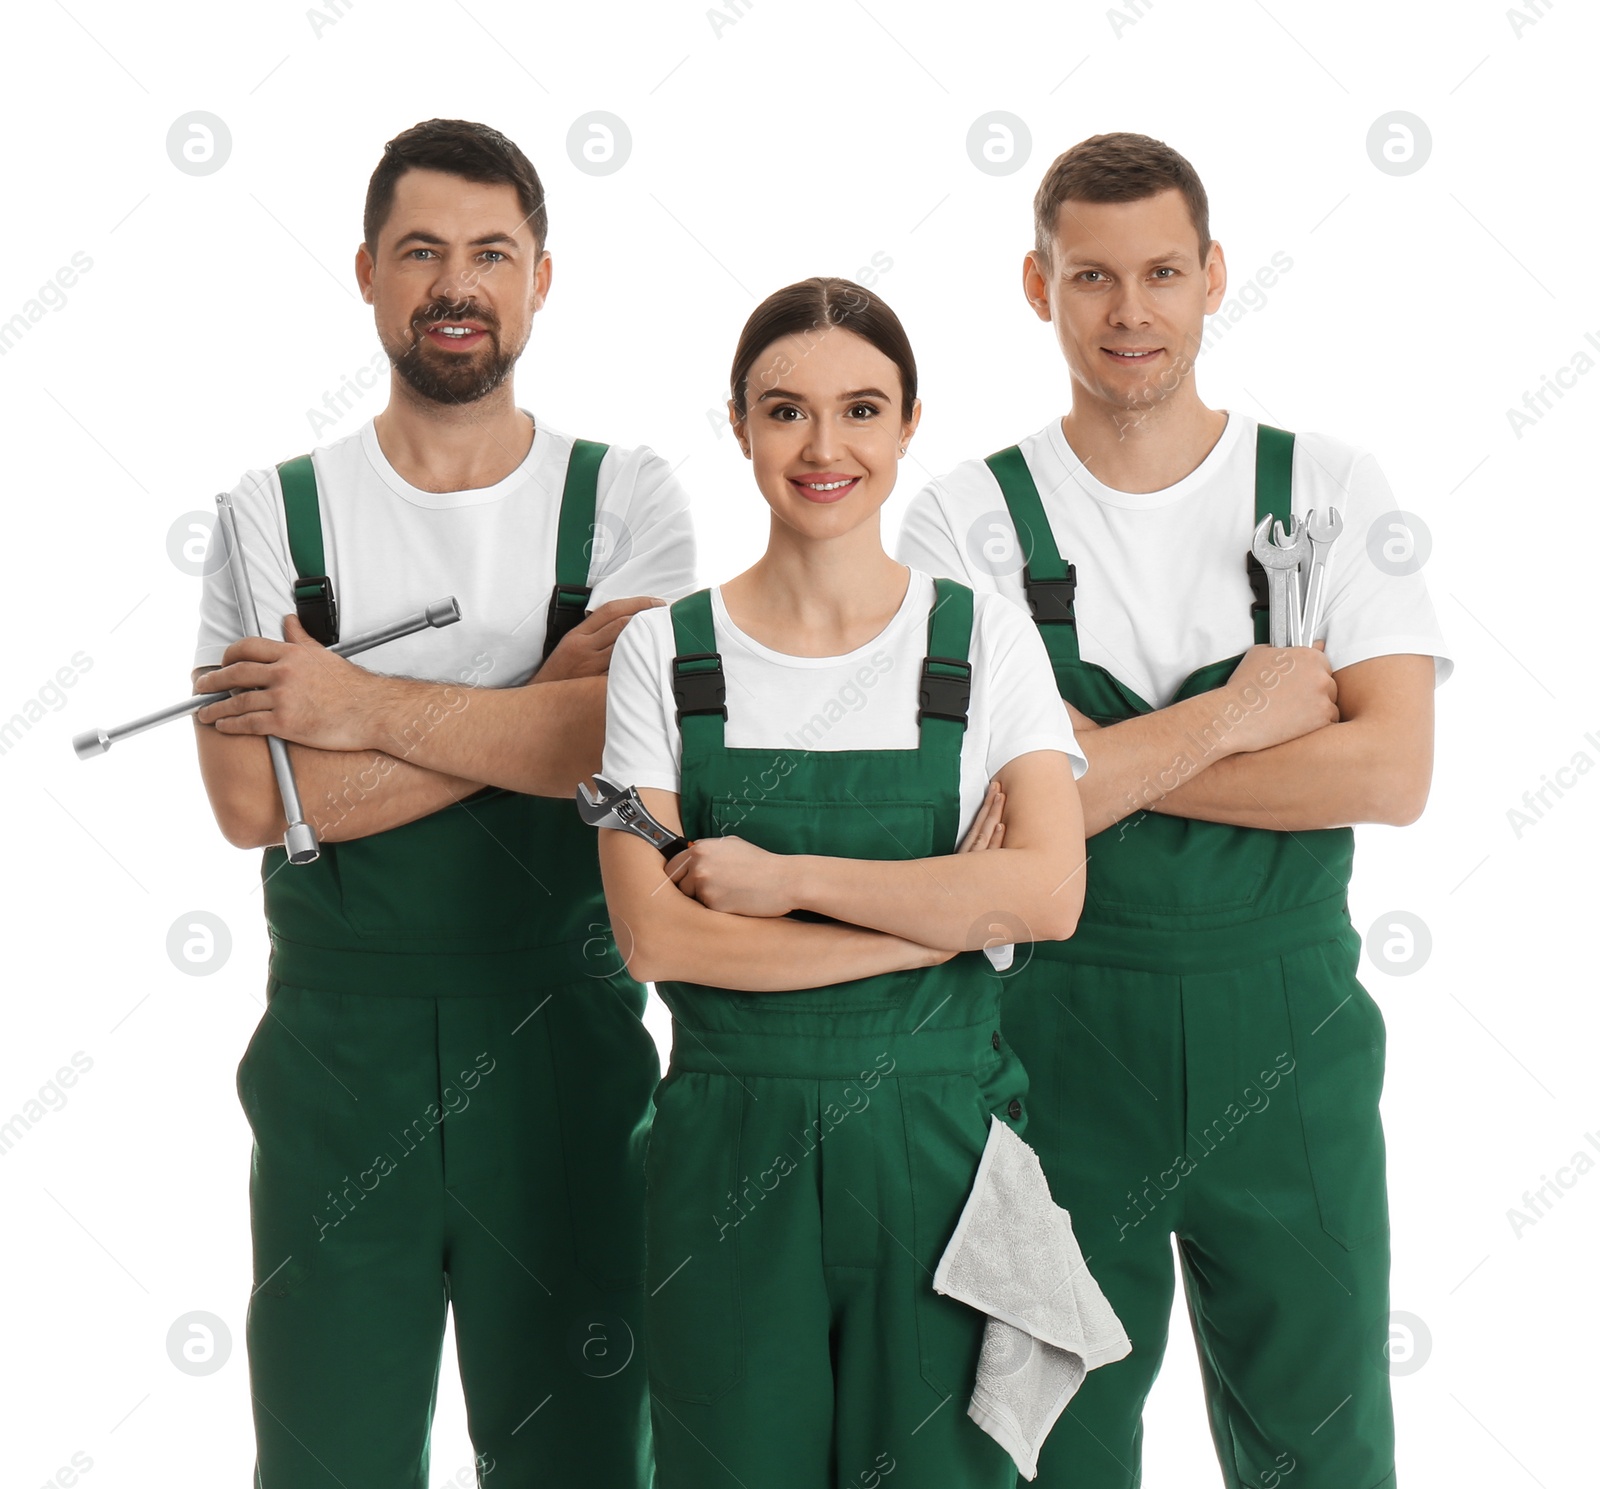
{"x": 812, "y": 307}
{"x": 462, "y": 148}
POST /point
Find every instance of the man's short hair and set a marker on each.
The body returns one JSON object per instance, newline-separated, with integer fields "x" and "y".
{"x": 462, "y": 148}
{"x": 1116, "y": 168}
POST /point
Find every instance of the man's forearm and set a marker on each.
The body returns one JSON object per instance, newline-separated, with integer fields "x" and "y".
{"x": 541, "y": 740}
{"x": 345, "y": 794}
{"x": 354, "y": 793}
{"x": 1333, "y": 777}
{"x": 1134, "y": 763}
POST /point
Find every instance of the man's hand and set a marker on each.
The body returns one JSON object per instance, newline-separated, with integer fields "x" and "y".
{"x": 300, "y": 691}
{"x": 1282, "y": 692}
{"x": 585, "y": 651}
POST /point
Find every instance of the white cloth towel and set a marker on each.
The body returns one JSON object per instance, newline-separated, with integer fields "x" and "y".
{"x": 1014, "y": 1257}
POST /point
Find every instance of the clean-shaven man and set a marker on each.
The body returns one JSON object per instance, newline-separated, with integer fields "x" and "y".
{"x": 1202, "y": 1059}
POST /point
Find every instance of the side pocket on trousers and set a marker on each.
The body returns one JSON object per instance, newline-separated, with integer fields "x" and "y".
{"x": 694, "y": 1324}
{"x": 1339, "y": 1042}
{"x": 606, "y": 1068}
{"x": 947, "y": 1123}
{"x": 283, "y": 1100}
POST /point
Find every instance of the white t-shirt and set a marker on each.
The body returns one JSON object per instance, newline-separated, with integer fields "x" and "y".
{"x": 1162, "y": 586}
{"x": 392, "y": 548}
{"x": 863, "y": 700}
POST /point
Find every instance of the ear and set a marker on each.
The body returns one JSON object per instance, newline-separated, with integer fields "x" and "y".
{"x": 1035, "y": 280}
{"x": 737, "y": 422}
{"x": 1215, "y": 270}
{"x": 908, "y": 427}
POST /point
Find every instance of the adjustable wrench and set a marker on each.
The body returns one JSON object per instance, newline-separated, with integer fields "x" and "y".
{"x": 619, "y": 806}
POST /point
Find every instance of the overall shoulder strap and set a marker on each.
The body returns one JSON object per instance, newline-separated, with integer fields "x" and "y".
{"x": 1049, "y": 581}
{"x": 314, "y": 600}
{"x": 944, "y": 692}
{"x": 1274, "y": 468}
{"x": 569, "y": 598}
{"x": 699, "y": 688}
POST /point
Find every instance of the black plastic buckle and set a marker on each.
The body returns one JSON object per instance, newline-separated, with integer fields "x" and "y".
{"x": 1259, "y": 584}
{"x": 942, "y": 697}
{"x": 699, "y": 692}
{"x": 317, "y": 608}
{"x": 569, "y": 603}
{"x": 1051, "y": 599}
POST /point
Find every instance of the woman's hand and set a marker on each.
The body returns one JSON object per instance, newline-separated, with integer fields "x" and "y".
{"x": 735, "y": 876}
{"x": 987, "y": 830}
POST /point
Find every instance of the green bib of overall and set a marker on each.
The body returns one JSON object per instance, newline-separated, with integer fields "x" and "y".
{"x": 450, "y": 1093}
{"x": 1204, "y": 1062}
{"x": 812, "y": 1149}
{"x": 467, "y": 899}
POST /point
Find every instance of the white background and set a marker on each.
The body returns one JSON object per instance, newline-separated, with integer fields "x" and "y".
{"x": 788, "y": 141}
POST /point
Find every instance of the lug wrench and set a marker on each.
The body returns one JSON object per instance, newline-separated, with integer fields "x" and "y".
{"x": 299, "y": 838}
{"x": 94, "y": 742}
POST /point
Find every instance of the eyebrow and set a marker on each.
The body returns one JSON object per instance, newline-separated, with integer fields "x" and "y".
{"x": 1160, "y": 258}
{"x": 843, "y": 397}
{"x": 419, "y": 235}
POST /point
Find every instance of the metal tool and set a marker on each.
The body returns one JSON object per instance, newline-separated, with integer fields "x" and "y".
{"x": 1277, "y": 562}
{"x": 1296, "y": 542}
{"x": 299, "y": 838}
{"x": 94, "y": 742}
{"x": 619, "y": 806}
{"x": 1323, "y": 529}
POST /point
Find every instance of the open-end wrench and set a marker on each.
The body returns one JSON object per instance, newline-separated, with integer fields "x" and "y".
{"x": 94, "y": 742}
{"x": 1296, "y": 542}
{"x": 1323, "y": 528}
{"x": 1277, "y": 562}
{"x": 619, "y": 806}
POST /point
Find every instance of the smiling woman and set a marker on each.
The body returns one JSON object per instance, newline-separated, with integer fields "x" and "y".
{"x": 827, "y": 921}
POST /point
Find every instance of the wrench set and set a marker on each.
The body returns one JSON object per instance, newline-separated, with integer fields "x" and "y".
{"x": 1292, "y": 621}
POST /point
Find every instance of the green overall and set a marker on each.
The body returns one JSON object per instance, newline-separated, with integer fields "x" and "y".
{"x": 450, "y": 1094}
{"x": 1204, "y": 1062}
{"x": 813, "y": 1149}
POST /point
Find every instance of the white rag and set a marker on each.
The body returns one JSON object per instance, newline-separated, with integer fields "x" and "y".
{"x": 1014, "y": 1257}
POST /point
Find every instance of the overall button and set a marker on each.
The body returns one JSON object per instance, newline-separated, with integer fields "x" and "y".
{"x": 994, "y": 1039}
{"x": 1015, "y": 1109}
